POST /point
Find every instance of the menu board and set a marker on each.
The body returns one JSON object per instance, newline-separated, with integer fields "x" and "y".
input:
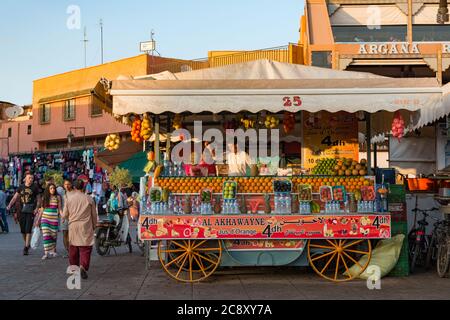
{"x": 329, "y": 135}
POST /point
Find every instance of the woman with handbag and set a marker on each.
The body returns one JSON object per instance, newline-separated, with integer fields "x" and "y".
{"x": 28, "y": 195}
{"x": 48, "y": 218}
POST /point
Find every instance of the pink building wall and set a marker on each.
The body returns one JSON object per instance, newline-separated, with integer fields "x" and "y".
{"x": 58, "y": 129}
{"x": 20, "y": 141}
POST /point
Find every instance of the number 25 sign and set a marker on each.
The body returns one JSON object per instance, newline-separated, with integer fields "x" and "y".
{"x": 292, "y": 101}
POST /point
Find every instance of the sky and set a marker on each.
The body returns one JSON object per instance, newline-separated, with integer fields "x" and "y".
{"x": 43, "y": 38}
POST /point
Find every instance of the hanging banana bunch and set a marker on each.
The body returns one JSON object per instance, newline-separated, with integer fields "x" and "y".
{"x": 248, "y": 123}
{"x": 146, "y": 128}
{"x": 112, "y": 142}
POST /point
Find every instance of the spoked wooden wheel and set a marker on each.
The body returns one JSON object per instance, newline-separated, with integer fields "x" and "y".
{"x": 190, "y": 260}
{"x": 332, "y": 259}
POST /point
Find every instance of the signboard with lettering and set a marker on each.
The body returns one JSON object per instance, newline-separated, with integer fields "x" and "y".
{"x": 395, "y": 48}
{"x": 264, "y": 227}
{"x": 329, "y": 135}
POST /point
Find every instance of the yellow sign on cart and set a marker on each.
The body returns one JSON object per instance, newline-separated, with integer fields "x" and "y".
{"x": 329, "y": 135}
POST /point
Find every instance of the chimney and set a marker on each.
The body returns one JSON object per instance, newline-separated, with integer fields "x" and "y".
{"x": 442, "y": 16}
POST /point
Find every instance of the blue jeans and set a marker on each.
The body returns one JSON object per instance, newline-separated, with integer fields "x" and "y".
{"x": 5, "y": 221}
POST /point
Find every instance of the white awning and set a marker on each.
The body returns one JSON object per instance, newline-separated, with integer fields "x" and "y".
{"x": 276, "y": 87}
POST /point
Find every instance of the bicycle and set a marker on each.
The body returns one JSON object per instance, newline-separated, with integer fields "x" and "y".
{"x": 438, "y": 238}
{"x": 419, "y": 243}
{"x": 443, "y": 251}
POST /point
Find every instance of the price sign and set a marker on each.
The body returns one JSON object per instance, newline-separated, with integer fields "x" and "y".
{"x": 329, "y": 135}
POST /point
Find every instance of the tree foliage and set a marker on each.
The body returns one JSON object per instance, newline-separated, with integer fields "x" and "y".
{"x": 120, "y": 178}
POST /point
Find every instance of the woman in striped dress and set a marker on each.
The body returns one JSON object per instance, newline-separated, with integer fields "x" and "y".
{"x": 49, "y": 218}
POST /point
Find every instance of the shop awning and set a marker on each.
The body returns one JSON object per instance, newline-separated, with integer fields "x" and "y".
{"x": 135, "y": 165}
{"x": 267, "y": 85}
{"x": 108, "y": 160}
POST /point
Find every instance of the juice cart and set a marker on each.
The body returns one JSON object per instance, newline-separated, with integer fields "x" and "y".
{"x": 336, "y": 245}
{"x": 247, "y": 220}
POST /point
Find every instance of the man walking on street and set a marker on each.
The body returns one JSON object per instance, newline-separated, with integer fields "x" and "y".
{"x": 80, "y": 211}
{"x": 4, "y": 222}
{"x": 28, "y": 195}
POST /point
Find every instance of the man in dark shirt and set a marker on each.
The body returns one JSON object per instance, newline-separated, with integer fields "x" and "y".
{"x": 28, "y": 195}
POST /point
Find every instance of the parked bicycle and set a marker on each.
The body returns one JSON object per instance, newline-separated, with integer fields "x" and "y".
{"x": 438, "y": 237}
{"x": 419, "y": 242}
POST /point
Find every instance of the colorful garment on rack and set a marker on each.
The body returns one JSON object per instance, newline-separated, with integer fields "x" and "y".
{"x": 49, "y": 224}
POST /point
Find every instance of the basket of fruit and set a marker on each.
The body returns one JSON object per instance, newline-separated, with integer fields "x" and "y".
{"x": 339, "y": 193}
{"x": 229, "y": 190}
{"x": 304, "y": 192}
{"x": 282, "y": 186}
{"x": 326, "y": 193}
{"x": 206, "y": 196}
{"x": 155, "y": 194}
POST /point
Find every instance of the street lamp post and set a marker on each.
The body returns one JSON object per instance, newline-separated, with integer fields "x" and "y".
{"x": 71, "y": 136}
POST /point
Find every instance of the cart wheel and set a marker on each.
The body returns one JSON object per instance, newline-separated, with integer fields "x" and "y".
{"x": 190, "y": 260}
{"x": 331, "y": 259}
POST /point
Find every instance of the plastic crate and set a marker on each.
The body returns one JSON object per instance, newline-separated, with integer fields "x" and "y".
{"x": 421, "y": 184}
{"x": 401, "y": 269}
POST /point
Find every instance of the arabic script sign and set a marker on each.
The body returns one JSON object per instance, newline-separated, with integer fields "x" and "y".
{"x": 261, "y": 227}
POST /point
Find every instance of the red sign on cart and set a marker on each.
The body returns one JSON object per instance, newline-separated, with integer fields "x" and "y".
{"x": 261, "y": 227}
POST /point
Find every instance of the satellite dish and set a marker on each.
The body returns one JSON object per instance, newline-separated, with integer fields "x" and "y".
{"x": 13, "y": 112}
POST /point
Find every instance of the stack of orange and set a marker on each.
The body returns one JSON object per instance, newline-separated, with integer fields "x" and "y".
{"x": 257, "y": 184}
{"x": 191, "y": 184}
{"x": 196, "y": 184}
{"x": 254, "y": 184}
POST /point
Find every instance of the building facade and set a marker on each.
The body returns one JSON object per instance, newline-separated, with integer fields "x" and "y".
{"x": 70, "y": 103}
{"x": 16, "y": 135}
{"x": 391, "y": 38}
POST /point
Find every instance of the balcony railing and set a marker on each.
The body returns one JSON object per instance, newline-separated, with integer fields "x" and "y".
{"x": 289, "y": 54}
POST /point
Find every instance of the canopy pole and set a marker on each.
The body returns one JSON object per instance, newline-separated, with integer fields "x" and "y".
{"x": 368, "y": 138}
{"x": 157, "y": 151}
{"x": 168, "y": 137}
{"x": 375, "y": 157}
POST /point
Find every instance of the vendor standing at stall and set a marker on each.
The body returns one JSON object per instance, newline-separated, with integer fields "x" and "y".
{"x": 237, "y": 160}
{"x": 208, "y": 158}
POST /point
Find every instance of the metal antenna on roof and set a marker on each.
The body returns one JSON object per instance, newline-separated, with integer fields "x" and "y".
{"x": 101, "y": 35}
{"x": 85, "y": 41}
{"x": 153, "y": 40}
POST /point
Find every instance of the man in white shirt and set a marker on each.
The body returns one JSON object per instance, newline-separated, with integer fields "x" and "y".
{"x": 237, "y": 161}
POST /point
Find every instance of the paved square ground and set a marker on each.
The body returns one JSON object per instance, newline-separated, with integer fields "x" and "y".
{"x": 123, "y": 276}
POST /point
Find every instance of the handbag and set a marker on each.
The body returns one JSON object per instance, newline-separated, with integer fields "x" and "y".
{"x": 36, "y": 238}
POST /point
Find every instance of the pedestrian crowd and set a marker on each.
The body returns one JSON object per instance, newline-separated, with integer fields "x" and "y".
{"x": 71, "y": 208}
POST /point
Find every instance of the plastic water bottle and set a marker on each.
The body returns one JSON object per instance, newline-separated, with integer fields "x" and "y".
{"x": 289, "y": 209}
{"x": 275, "y": 202}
